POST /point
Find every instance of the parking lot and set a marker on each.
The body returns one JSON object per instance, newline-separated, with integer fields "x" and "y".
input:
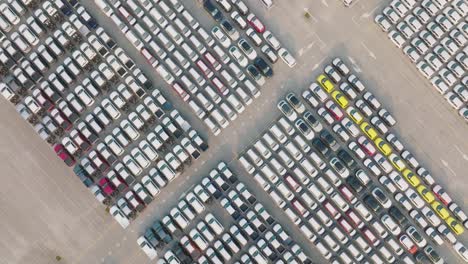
{"x": 426, "y": 124}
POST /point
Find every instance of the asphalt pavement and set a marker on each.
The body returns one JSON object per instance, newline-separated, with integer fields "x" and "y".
{"x": 46, "y": 212}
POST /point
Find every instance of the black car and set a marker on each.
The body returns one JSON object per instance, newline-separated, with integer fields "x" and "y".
{"x": 321, "y": 147}
{"x": 329, "y": 139}
{"x": 346, "y": 158}
{"x": 421, "y": 258}
{"x": 83, "y": 175}
{"x": 253, "y": 72}
{"x": 397, "y": 215}
{"x": 310, "y": 118}
{"x": 355, "y": 184}
{"x": 263, "y": 66}
{"x": 372, "y": 203}
{"x": 213, "y": 10}
{"x": 152, "y": 239}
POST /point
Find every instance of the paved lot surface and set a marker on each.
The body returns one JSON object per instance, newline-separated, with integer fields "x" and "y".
{"x": 46, "y": 212}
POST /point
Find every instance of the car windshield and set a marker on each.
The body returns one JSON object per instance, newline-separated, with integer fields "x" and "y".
{"x": 245, "y": 46}
{"x": 292, "y": 98}
{"x": 304, "y": 127}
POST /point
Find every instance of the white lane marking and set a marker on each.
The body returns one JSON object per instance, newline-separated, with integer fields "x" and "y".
{"x": 464, "y": 155}
{"x": 324, "y": 2}
{"x": 445, "y": 163}
{"x": 371, "y": 54}
{"x": 354, "y": 63}
{"x": 318, "y": 64}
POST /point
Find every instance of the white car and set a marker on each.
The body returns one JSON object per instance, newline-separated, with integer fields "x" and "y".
{"x": 147, "y": 247}
{"x": 238, "y": 56}
{"x": 221, "y": 37}
{"x": 461, "y": 250}
{"x": 287, "y": 57}
{"x": 119, "y": 216}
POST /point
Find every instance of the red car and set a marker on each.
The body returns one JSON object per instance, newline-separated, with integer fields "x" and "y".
{"x": 256, "y": 23}
{"x": 346, "y": 226}
{"x": 442, "y": 195}
{"x": 355, "y": 220}
{"x": 370, "y": 237}
{"x": 106, "y": 186}
{"x": 408, "y": 244}
{"x": 347, "y": 194}
{"x": 63, "y": 154}
{"x": 367, "y": 146}
{"x": 213, "y": 61}
{"x": 331, "y": 209}
{"x": 180, "y": 91}
{"x": 43, "y": 100}
{"x": 334, "y": 110}
{"x": 220, "y": 86}
{"x": 204, "y": 68}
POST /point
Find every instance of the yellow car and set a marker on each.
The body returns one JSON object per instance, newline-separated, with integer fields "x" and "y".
{"x": 340, "y": 99}
{"x": 456, "y": 227}
{"x": 354, "y": 114}
{"x": 383, "y": 147}
{"x": 325, "y": 83}
{"x": 397, "y": 162}
{"x": 440, "y": 210}
{"x": 411, "y": 178}
{"x": 368, "y": 130}
{"x": 425, "y": 193}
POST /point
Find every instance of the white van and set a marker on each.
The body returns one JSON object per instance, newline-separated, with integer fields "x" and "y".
{"x": 206, "y": 37}
{"x": 293, "y": 216}
{"x": 231, "y": 82}
{"x": 345, "y": 258}
{"x": 269, "y": 174}
{"x": 331, "y": 242}
{"x": 212, "y": 94}
{"x": 339, "y": 201}
{"x": 317, "y": 160}
{"x": 318, "y": 228}
{"x": 395, "y": 246}
{"x": 387, "y": 255}
{"x": 198, "y": 45}
{"x": 254, "y": 157}
{"x": 363, "y": 244}
{"x": 323, "y": 250}
{"x": 286, "y": 126}
{"x": 277, "y": 166}
{"x": 284, "y": 190}
{"x": 264, "y": 151}
{"x": 220, "y": 119}
{"x": 278, "y": 200}
{"x": 251, "y": 87}
{"x": 232, "y": 99}
{"x": 191, "y": 21}
{"x": 247, "y": 165}
{"x": 285, "y": 158}
{"x": 339, "y": 235}
{"x": 324, "y": 218}
{"x": 362, "y": 210}
{"x": 301, "y": 143}
{"x": 211, "y": 125}
{"x": 262, "y": 182}
{"x": 380, "y": 229}
{"x": 270, "y": 141}
{"x": 278, "y": 134}
{"x": 309, "y": 168}
{"x": 237, "y": 71}
{"x": 324, "y": 184}
{"x": 301, "y": 175}
{"x": 355, "y": 252}
{"x": 230, "y": 113}
{"x": 310, "y": 202}
{"x": 293, "y": 150}
{"x": 319, "y": 196}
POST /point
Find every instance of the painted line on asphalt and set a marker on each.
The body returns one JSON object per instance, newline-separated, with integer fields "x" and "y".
{"x": 463, "y": 154}
{"x": 370, "y": 52}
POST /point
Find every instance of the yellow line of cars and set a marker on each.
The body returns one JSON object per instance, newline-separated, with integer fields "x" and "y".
{"x": 385, "y": 149}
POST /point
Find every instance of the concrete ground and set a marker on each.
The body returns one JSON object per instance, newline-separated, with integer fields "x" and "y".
{"x": 46, "y": 212}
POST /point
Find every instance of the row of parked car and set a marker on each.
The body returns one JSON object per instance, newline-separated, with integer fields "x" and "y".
{"x": 210, "y": 77}
{"x": 307, "y": 131}
{"x": 433, "y": 34}
{"x": 408, "y": 166}
{"x": 397, "y": 156}
{"x": 199, "y": 236}
{"x": 93, "y": 104}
